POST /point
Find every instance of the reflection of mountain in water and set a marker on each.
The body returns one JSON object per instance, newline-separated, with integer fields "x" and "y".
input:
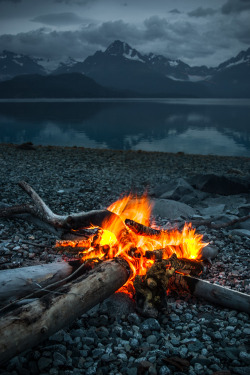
{"x": 159, "y": 126}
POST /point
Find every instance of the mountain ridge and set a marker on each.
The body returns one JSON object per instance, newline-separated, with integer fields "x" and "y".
{"x": 122, "y": 68}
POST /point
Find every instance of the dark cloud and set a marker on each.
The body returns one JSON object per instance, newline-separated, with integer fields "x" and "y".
{"x": 235, "y": 6}
{"x": 202, "y": 12}
{"x": 11, "y": 1}
{"x": 196, "y": 43}
{"x": 59, "y": 19}
{"x": 175, "y": 11}
{"x": 75, "y": 2}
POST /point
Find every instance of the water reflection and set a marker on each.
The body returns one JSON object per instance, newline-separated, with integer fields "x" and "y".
{"x": 192, "y": 127}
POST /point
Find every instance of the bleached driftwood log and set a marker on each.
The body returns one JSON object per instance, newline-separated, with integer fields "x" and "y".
{"x": 30, "y": 324}
{"x": 19, "y": 282}
{"x": 213, "y": 293}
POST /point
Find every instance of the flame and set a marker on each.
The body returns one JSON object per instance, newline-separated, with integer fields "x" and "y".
{"x": 116, "y": 239}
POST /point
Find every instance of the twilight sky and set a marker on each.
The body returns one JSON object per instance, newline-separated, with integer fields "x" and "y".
{"x": 195, "y": 31}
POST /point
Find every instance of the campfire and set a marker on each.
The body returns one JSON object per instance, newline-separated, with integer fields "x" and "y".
{"x": 119, "y": 250}
{"x": 127, "y": 235}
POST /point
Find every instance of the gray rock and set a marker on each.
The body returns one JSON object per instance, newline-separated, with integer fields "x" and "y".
{"x": 218, "y": 184}
{"x": 151, "y": 339}
{"x": 59, "y": 359}
{"x": 98, "y": 352}
{"x": 173, "y": 189}
{"x": 245, "y": 357}
{"x": 170, "y": 209}
{"x": 150, "y": 324}
{"x": 43, "y": 363}
{"x": 241, "y": 370}
{"x": 164, "y": 370}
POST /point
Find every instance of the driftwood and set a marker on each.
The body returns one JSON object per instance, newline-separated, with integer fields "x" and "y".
{"x": 19, "y": 282}
{"x": 40, "y": 211}
{"x": 213, "y": 293}
{"x": 30, "y": 324}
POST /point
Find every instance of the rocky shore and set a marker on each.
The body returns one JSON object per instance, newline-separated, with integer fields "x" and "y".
{"x": 191, "y": 336}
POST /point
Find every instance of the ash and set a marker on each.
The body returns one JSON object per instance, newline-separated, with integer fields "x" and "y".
{"x": 190, "y": 336}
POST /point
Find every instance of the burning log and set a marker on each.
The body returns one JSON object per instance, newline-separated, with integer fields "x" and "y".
{"x": 193, "y": 267}
{"x": 19, "y": 282}
{"x": 32, "y": 323}
{"x": 142, "y": 230}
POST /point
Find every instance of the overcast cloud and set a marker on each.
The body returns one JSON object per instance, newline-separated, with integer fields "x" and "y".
{"x": 188, "y": 30}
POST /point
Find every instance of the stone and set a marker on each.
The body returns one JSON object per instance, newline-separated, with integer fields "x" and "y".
{"x": 151, "y": 339}
{"x": 43, "y": 363}
{"x": 173, "y": 189}
{"x": 151, "y": 324}
{"x": 164, "y": 370}
{"x": 218, "y": 184}
{"x": 170, "y": 209}
{"x": 245, "y": 357}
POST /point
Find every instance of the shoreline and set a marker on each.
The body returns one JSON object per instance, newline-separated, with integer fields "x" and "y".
{"x": 58, "y": 147}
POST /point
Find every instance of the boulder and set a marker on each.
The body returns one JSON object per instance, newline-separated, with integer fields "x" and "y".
{"x": 171, "y": 210}
{"x": 177, "y": 189}
{"x": 216, "y": 184}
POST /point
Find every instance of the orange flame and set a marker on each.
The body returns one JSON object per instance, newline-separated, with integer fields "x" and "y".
{"x": 115, "y": 239}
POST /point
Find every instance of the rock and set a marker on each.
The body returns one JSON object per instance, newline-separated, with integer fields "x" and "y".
{"x": 119, "y": 304}
{"x": 151, "y": 339}
{"x": 245, "y": 357}
{"x": 164, "y": 370}
{"x": 44, "y": 362}
{"x": 173, "y": 189}
{"x": 218, "y": 184}
{"x": 209, "y": 252}
{"x": 150, "y": 324}
{"x": 59, "y": 359}
{"x": 170, "y": 209}
{"x": 241, "y": 370}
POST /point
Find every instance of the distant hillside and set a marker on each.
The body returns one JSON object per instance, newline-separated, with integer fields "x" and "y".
{"x": 73, "y": 85}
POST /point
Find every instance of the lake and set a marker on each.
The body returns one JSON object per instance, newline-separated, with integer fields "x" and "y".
{"x": 196, "y": 126}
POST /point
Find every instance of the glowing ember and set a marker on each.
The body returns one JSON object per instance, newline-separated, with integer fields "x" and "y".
{"x": 116, "y": 239}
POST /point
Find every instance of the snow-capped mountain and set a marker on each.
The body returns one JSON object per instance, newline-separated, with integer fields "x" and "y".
{"x": 13, "y": 64}
{"x": 121, "y": 67}
{"x": 243, "y": 58}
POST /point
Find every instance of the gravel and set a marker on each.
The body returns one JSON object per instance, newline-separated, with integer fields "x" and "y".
{"x": 191, "y": 336}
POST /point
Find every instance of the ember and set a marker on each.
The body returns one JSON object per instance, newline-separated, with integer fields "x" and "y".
{"x": 127, "y": 235}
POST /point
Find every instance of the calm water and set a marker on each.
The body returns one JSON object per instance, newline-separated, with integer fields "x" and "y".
{"x": 204, "y": 126}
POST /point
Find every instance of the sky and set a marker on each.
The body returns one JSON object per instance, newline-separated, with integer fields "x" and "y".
{"x": 198, "y": 32}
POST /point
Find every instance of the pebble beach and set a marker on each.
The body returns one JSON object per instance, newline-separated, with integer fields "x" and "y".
{"x": 191, "y": 336}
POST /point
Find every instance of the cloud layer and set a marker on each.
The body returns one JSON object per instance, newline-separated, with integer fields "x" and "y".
{"x": 203, "y": 35}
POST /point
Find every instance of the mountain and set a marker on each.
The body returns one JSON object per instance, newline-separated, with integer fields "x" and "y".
{"x": 119, "y": 52}
{"x": 232, "y": 77}
{"x": 125, "y": 70}
{"x": 121, "y": 67}
{"x": 12, "y": 64}
{"x": 72, "y": 85}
